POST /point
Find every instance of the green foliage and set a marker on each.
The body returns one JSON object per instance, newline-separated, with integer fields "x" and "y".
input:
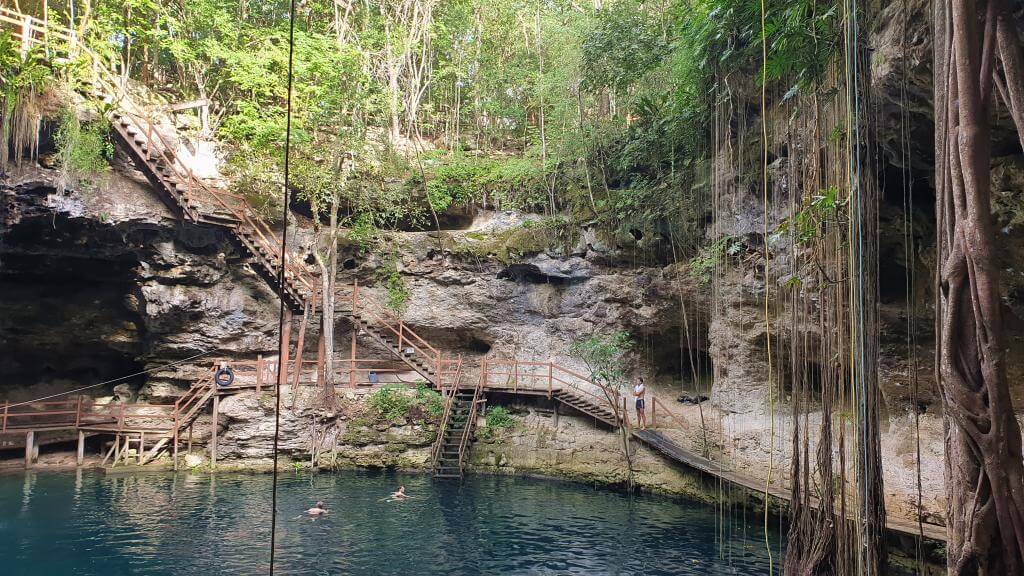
{"x": 362, "y": 233}
{"x": 815, "y": 217}
{"x": 398, "y": 293}
{"x": 84, "y": 148}
{"x": 703, "y": 265}
{"x": 20, "y": 73}
{"x": 623, "y": 43}
{"x": 603, "y": 355}
{"x": 393, "y": 402}
{"x": 506, "y": 183}
{"x": 24, "y": 79}
{"x": 431, "y": 400}
{"x": 499, "y": 417}
{"x": 599, "y": 111}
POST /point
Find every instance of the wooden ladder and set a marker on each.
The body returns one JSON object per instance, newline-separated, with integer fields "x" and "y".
{"x": 455, "y": 431}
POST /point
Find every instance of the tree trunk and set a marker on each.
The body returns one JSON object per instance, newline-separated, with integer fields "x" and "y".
{"x": 330, "y": 272}
{"x": 984, "y": 469}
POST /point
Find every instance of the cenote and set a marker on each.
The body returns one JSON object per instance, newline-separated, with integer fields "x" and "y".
{"x": 157, "y": 524}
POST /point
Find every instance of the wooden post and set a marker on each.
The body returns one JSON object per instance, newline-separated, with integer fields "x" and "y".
{"x": 286, "y": 338}
{"x": 213, "y": 431}
{"x": 352, "y": 360}
{"x": 142, "y": 446}
{"x": 80, "y": 457}
{"x": 26, "y": 36}
{"x": 7, "y": 405}
{"x": 30, "y": 448}
{"x": 654, "y": 412}
{"x": 259, "y": 373}
{"x": 188, "y": 448}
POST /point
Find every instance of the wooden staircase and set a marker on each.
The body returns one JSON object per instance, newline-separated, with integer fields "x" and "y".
{"x": 455, "y": 432}
{"x": 390, "y": 331}
{"x": 187, "y": 410}
{"x": 585, "y": 405}
{"x": 181, "y": 417}
{"x": 197, "y": 202}
{"x": 191, "y": 198}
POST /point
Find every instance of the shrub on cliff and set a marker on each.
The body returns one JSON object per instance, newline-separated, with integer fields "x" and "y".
{"x": 393, "y": 402}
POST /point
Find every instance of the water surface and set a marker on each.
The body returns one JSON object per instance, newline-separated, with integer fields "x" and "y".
{"x": 163, "y": 524}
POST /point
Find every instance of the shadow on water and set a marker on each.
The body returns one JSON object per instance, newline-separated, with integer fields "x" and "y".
{"x": 162, "y": 524}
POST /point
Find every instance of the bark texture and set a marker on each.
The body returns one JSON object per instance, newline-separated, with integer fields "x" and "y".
{"x": 984, "y": 469}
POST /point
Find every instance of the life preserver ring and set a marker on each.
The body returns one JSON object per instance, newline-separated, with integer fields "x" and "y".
{"x": 224, "y": 377}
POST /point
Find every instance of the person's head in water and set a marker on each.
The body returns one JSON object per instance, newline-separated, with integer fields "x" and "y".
{"x": 319, "y": 504}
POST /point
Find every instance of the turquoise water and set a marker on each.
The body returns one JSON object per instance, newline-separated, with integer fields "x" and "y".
{"x": 163, "y": 524}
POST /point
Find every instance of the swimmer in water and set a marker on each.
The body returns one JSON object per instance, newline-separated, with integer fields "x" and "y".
{"x": 317, "y": 510}
{"x": 400, "y": 495}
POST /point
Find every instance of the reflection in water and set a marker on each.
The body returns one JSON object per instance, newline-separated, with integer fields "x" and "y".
{"x": 26, "y": 490}
{"x": 189, "y": 524}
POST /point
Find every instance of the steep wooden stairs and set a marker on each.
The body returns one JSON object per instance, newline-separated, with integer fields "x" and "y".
{"x": 455, "y": 431}
{"x": 190, "y": 197}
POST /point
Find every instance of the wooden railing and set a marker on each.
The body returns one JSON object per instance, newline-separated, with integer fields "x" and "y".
{"x": 547, "y": 378}
{"x": 82, "y": 412}
{"x": 372, "y": 312}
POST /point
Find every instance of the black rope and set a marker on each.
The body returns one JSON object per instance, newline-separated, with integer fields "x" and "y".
{"x": 281, "y": 343}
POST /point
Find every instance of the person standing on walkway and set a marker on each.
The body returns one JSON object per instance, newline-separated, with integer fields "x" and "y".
{"x": 639, "y": 390}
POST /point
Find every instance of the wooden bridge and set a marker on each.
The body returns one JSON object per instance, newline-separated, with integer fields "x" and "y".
{"x": 196, "y": 201}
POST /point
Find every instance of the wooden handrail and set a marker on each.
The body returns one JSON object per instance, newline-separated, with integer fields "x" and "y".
{"x": 445, "y": 416}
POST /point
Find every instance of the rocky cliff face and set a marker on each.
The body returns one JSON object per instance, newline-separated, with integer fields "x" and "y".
{"x": 103, "y": 281}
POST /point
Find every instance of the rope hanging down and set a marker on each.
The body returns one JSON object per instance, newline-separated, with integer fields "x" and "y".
{"x": 282, "y": 343}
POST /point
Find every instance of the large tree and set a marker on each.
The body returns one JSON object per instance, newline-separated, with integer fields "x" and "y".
{"x": 976, "y": 49}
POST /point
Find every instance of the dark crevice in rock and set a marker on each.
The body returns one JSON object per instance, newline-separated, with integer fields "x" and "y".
{"x": 68, "y": 312}
{"x": 680, "y": 360}
{"x": 533, "y": 274}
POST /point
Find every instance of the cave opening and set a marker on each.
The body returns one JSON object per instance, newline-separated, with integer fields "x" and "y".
{"x": 906, "y": 221}
{"x": 532, "y": 274}
{"x": 468, "y": 341}
{"x": 68, "y": 308}
{"x": 680, "y": 362}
